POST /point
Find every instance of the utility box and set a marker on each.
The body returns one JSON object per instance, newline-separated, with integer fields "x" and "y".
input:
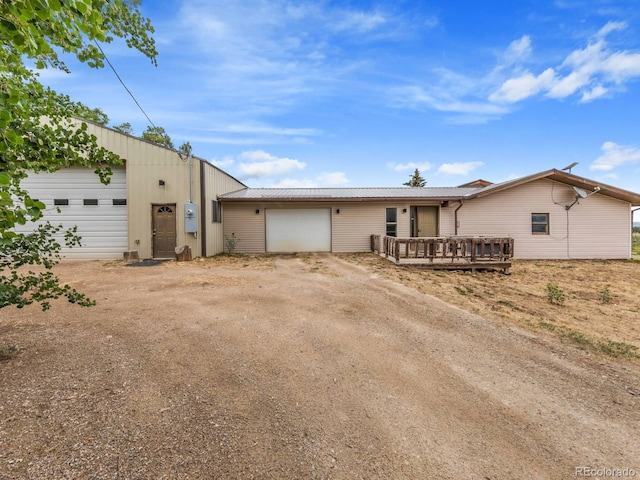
{"x": 190, "y": 217}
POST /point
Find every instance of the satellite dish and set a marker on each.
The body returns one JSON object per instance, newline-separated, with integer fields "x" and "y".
{"x": 581, "y": 193}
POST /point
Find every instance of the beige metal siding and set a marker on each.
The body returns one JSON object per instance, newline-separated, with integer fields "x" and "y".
{"x": 146, "y": 165}
{"x": 598, "y": 225}
{"x": 216, "y": 182}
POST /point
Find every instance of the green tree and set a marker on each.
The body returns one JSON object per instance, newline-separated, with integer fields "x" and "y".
{"x": 157, "y": 135}
{"x": 37, "y": 129}
{"x": 416, "y": 180}
{"x": 124, "y": 127}
{"x": 94, "y": 115}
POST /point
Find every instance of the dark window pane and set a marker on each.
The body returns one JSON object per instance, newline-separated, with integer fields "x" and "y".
{"x": 61, "y": 201}
{"x": 217, "y": 213}
{"x": 119, "y": 201}
{"x": 90, "y": 201}
{"x": 392, "y": 214}
{"x": 540, "y": 223}
{"x": 391, "y": 229}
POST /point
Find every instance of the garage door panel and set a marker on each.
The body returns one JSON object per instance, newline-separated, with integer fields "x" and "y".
{"x": 103, "y": 227}
{"x": 298, "y": 230}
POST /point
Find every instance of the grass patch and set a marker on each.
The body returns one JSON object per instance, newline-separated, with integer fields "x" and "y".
{"x": 606, "y": 346}
{"x": 464, "y": 290}
{"x": 8, "y": 351}
{"x": 635, "y": 249}
{"x": 619, "y": 349}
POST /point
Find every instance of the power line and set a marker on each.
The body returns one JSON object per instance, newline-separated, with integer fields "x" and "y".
{"x": 123, "y": 84}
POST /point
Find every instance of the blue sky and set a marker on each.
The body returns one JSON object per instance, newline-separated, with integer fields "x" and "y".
{"x": 358, "y": 93}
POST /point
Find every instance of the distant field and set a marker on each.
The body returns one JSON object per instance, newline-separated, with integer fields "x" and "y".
{"x": 636, "y": 244}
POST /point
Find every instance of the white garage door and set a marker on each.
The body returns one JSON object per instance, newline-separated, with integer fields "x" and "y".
{"x": 298, "y": 230}
{"x": 99, "y": 211}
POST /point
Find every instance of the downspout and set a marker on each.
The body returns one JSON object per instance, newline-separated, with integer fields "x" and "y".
{"x": 455, "y": 217}
{"x": 203, "y": 212}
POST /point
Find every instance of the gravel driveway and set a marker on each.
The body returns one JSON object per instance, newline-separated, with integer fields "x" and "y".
{"x": 297, "y": 367}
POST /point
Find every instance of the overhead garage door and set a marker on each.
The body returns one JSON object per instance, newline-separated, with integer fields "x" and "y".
{"x": 298, "y": 230}
{"x": 99, "y": 211}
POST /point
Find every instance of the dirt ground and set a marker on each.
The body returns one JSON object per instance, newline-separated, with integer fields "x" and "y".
{"x": 314, "y": 367}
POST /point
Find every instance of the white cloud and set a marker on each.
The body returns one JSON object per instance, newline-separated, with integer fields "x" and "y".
{"x": 614, "y": 155}
{"x": 267, "y": 129}
{"x": 401, "y": 167}
{"x": 223, "y": 162}
{"x": 262, "y": 164}
{"x": 518, "y": 50}
{"x": 459, "y": 168}
{"x": 610, "y": 27}
{"x": 360, "y": 22}
{"x": 595, "y": 92}
{"x": 526, "y": 85}
{"x": 592, "y": 72}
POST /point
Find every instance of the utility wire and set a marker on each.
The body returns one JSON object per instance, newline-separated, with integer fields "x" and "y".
{"x": 122, "y": 82}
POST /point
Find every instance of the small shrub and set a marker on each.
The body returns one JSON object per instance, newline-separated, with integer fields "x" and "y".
{"x": 555, "y": 295}
{"x": 605, "y": 295}
{"x": 231, "y": 242}
{"x": 8, "y": 351}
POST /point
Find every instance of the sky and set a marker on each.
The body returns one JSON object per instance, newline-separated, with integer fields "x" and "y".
{"x": 360, "y": 93}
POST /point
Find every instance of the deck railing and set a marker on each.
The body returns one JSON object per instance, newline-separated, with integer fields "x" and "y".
{"x": 432, "y": 249}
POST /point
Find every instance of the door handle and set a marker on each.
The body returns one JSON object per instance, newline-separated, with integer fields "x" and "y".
{"x": 154, "y": 231}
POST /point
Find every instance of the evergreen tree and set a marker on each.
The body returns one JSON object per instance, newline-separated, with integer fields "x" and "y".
{"x": 416, "y": 180}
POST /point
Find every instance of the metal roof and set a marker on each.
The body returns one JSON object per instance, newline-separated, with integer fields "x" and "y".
{"x": 440, "y": 194}
{"x": 322, "y": 194}
{"x": 568, "y": 179}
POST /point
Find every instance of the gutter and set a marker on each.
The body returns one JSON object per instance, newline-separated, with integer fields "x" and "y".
{"x": 455, "y": 217}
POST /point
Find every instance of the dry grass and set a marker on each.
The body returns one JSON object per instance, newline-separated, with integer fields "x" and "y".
{"x": 600, "y": 308}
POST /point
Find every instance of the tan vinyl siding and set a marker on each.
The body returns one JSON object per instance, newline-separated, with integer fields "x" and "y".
{"x": 598, "y": 225}
{"x": 351, "y": 229}
{"x": 447, "y": 220}
{"x": 249, "y": 227}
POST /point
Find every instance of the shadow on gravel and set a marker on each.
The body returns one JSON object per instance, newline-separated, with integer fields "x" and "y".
{"x": 146, "y": 263}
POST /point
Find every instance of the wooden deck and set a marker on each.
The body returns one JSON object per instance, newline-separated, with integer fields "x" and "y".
{"x": 447, "y": 253}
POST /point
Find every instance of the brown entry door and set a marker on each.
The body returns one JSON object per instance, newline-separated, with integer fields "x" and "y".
{"x": 427, "y": 221}
{"x": 164, "y": 231}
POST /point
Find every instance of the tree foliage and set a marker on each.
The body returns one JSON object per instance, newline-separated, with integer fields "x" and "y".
{"x": 157, "y": 135}
{"x": 94, "y": 115}
{"x": 37, "y": 129}
{"x": 124, "y": 127}
{"x": 416, "y": 180}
